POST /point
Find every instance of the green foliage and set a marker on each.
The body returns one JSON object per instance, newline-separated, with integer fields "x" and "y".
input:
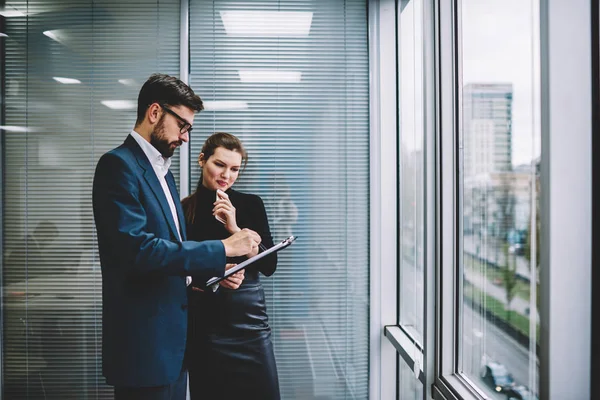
{"x": 509, "y": 275}
{"x": 496, "y": 307}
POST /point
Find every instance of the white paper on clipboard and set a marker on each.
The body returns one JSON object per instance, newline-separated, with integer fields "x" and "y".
{"x": 281, "y": 245}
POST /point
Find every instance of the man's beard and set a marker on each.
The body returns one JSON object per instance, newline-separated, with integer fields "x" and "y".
{"x": 160, "y": 143}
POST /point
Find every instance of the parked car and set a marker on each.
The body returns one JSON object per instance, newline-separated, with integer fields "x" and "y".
{"x": 520, "y": 392}
{"x": 517, "y": 240}
{"x": 497, "y": 377}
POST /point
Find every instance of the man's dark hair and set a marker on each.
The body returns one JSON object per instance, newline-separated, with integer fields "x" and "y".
{"x": 167, "y": 90}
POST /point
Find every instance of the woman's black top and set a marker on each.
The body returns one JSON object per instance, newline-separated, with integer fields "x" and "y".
{"x": 229, "y": 349}
{"x": 250, "y": 213}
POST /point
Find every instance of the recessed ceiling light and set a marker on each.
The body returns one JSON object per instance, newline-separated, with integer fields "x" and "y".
{"x": 8, "y": 13}
{"x": 225, "y": 105}
{"x": 56, "y": 34}
{"x": 66, "y": 81}
{"x": 119, "y": 104}
{"x": 16, "y": 129}
{"x": 127, "y": 82}
{"x": 267, "y": 23}
{"x": 269, "y": 76}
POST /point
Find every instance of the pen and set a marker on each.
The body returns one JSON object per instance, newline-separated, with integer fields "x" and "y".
{"x": 262, "y": 247}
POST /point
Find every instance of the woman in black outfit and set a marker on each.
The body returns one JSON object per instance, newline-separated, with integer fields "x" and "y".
{"x": 229, "y": 348}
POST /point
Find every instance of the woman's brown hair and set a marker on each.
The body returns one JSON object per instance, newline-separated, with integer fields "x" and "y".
{"x": 214, "y": 141}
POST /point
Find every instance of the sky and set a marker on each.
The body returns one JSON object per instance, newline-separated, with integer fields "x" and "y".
{"x": 501, "y": 45}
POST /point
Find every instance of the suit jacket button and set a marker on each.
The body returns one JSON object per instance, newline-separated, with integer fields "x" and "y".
{"x": 184, "y": 306}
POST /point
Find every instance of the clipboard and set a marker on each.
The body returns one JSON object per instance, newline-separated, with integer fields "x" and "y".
{"x": 281, "y": 245}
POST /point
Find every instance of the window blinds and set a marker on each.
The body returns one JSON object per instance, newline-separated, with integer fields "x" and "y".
{"x": 73, "y": 72}
{"x": 290, "y": 79}
{"x": 299, "y": 101}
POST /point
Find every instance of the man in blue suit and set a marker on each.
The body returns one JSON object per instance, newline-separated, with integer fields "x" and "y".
{"x": 144, "y": 254}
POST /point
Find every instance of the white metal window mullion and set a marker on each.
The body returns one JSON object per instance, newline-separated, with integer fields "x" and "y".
{"x": 383, "y": 270}
{"x": 565, "y": 202}
{"x": 184, "y": 75}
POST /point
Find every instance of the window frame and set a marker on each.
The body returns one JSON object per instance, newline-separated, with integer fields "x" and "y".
{"x": 409, "y": 349}
{"x": 448, "y": 384}
{"x": 383, "y": 126}
{"x": 561, "y": 150}
{"x": 595, "y": 171}
{"x": 2, "y": 183}
{"x": 566, "y": 121}
{"x": 184, "y": 76}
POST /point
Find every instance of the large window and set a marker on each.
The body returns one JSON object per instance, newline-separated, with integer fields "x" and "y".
{"x": 411, "y": 178}
{"x": 411, "y": 155}
{"x": 73, "y": 71}
{"x": 499, "y": 195}
{"x": 415, "y": 189}
{"x": 290, "y": 78}
{"x": 409, "y": 385}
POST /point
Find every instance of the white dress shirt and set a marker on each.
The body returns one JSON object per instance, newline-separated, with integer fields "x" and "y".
{"x": 161, "y": 166}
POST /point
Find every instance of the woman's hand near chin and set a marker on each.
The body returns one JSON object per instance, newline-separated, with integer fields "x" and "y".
{"x": 224, "y": 211}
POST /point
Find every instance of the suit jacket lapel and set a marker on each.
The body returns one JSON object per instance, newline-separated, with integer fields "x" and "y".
{"x": 152, "y": 180}
{"x": 173, "y": 188}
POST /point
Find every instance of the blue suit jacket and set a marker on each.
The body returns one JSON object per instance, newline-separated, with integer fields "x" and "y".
{"x": 144, "y": 265}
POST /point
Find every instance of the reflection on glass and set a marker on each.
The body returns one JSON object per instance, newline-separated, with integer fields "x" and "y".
{"x": 295, "y": 90}
{"x": 409, "y": 387}
{"x": 411, "y": 212}
{"x": 62, "y": 59}
{"x": 499, "y": 193}
{"x": 246, "y": 23}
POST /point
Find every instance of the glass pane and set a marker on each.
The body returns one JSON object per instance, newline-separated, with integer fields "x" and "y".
{"x": 290, "y": 79}
{"x": 411, "y": 207}
{"x": 500, "y": 196}
{"x": 63, "y": 60}
{"x": 409, "y": 386}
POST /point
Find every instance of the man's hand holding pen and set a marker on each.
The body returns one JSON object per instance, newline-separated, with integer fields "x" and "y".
{"x": 241, "y": 243}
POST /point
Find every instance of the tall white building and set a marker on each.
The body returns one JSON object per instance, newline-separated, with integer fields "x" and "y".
{"x": 487, "y": 159}
{"x": 487, "y": 120}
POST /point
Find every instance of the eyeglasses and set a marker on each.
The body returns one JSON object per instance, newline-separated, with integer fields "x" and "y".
{"x": 184, "y": 126}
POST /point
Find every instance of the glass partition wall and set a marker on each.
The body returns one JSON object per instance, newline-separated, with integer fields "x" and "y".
{"x": 290, "y": 78}
{"x": 72, "y": 73}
